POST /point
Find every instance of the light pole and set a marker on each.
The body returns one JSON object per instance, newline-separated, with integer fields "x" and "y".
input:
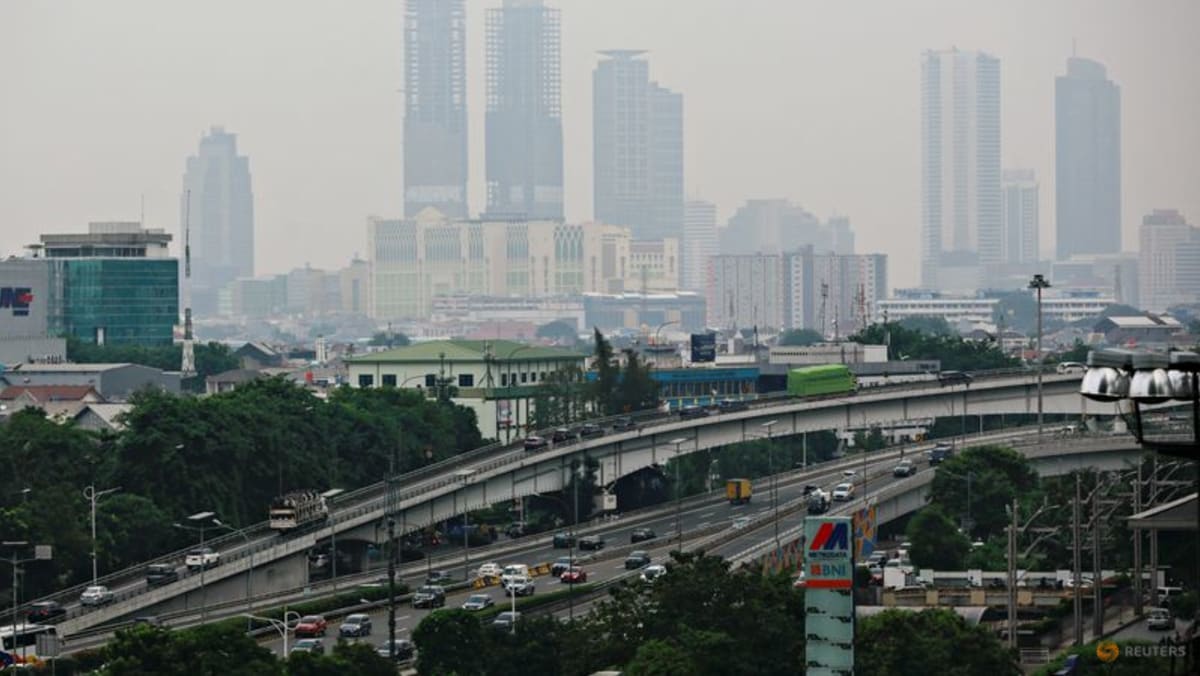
{"x": 249, "y": 568}
{"x": 1142, "y": 378}
{"x": 771, "y": 472}
{"x": 93, "y": 496}
{"x": 201, "y": 519}
{"x": 1038, "y": 283}
{"x": 280, "y": 626}
{"x": 676, "y": 442}
{"x": 41, "y": 553}
{"x": 329, "y": 495}
{"x": 464, "y": 475}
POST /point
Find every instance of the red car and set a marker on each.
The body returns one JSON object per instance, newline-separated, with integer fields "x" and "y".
{"x": 311, "y": 625}
{"x": 573, "y": 575}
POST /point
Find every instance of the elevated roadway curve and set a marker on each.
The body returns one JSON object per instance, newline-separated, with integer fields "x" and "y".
{"x": 498, "y": 473}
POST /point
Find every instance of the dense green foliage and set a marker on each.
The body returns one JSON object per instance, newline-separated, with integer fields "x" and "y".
{"x": 389, "y": 339}
{"x": 216, "y": 650}
{"x": 937, "y": 641}
{"x": 229, "y": 453}
{"x": 622, "y": 390}
{"x": 955, "y": 353}
{"x": 997, "y": 474}
{"x": 211, "y": 358}
{"x": 1089, "y": 662}
{"x": 800, "y": 337}
{"x": 936, "y": 542}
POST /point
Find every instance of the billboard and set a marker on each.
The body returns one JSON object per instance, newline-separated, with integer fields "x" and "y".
{"x": 828, "y": 596}
{"x": 704, "y": 347}
{"x": 24, "y": 302}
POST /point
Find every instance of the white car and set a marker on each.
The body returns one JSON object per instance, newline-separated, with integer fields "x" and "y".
{"x": 652, "y": 573}
{"x": 489, "y": 570}
{"x": 1071, "y": 367}
{"x": 1159, "y": 619}
{"x": 849, "y": 473}
{"x": 96, "y": 596}
{"x": 843, "y": 492}
{"x": 204, "y": 557}
{"x": 519, "y": 586}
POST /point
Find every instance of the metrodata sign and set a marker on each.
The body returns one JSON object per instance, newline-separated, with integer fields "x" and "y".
{"x": 828, "y": 595}
{"x": 16, "y": 298}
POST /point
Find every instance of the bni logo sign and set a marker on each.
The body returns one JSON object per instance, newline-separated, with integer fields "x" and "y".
{"x": 16, "y": 298}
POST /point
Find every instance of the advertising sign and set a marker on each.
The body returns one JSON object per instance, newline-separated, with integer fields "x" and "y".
{"x": 828, "y": 597}
{"x": 704, "y": 347}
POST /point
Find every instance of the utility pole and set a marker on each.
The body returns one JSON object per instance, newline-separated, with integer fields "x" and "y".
{"x": 1076, "y": 563}
{"x": 391, "y": 535}
{"x": 1137, "y": 545}
{"x": 1097, "y": 577}
{"x": 1038, "y": 283}
{"x": 1012, "y": 574}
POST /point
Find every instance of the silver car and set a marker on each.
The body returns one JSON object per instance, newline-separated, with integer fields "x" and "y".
{"x": 96, "y": 596}
{"x": 478, "y": 602}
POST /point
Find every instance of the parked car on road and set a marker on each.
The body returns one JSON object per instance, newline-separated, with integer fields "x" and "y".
{"x": 429, "y": 596}
{"x": 311, "y": 625}
{"x": 573, "y": 575}
{"x": 636, "y": 559}
{"x": 46, "y": 611}
{"x": 161, "y": 573}
{"x": 95, "y": 596}
{"x": 535, "y": 443}
{"x": 843, "y": 492}
{"x": 478, "y": 602}
{"x": 591, "y": 542}
{"x": 641, "y": 535}
{"x": 904, "y": 468}
{"x": 405, "y": 650}
{"x": 358, "y": 624}
{"x": 202, "y": 557}
{"x": 309, "y": 645}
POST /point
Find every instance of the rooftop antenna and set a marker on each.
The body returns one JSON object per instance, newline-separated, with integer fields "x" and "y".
{"x": 188, "y": 367}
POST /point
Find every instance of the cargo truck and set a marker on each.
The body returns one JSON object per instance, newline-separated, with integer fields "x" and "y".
{"x": 297, "y": 509}
{"x": 738, "y": 491}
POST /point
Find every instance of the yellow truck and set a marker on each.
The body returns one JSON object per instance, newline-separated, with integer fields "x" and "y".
{"x": 738, "y": 491}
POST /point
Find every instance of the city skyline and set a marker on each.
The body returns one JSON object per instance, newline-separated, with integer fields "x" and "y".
{"x": 835, "y": 154}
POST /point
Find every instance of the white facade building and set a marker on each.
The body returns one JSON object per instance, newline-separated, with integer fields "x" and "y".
{"x": 960, "y": 158}
{"x": 699, "y": 243}
{"x": 1020, "y": 207}
{"x": 1169, "y": 262}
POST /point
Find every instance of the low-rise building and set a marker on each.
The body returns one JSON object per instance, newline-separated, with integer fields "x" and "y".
{"x": 61, "y": 402}
{"x": 497, "y": 379}
{"x": 1144, "y": 330}
{"x": 114, "y": 382}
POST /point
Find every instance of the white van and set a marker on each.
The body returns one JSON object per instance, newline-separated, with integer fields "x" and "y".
{"x": 513, "y": 571}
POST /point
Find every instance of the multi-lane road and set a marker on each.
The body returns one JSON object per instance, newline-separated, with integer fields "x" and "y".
{"x": 697, "y": 520}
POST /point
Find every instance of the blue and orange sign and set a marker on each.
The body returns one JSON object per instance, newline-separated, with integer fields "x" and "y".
{"x": 19, "y": 298}
{"x": 829, "y": 561}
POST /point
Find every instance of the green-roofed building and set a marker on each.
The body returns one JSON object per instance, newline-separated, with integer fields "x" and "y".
{"x": 496, "y": 378}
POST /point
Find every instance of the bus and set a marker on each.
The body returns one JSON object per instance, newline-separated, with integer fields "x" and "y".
{"x": 22, "y": 640}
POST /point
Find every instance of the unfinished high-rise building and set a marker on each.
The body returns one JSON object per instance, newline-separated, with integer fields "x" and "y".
{"x": 524, "y": 111}
{"x": 435, "y": 110}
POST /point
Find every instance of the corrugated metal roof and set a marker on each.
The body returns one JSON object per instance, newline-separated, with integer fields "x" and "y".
{"x": 468, "y": 351}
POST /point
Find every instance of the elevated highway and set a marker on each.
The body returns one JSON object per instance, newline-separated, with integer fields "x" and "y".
{"x": 498, "y": 473}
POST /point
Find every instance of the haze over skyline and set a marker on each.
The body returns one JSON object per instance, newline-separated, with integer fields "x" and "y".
{"x": 815, "y": 103}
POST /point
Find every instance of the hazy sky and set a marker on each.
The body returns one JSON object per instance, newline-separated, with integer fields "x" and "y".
{"x": 102, "y": 100}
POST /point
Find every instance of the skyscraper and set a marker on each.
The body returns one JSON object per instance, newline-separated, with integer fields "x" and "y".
{"x": 524, "y": 111}
{"x": 960, "y": 164}
{"x": 1087, "y": 137}
{"x": 1020, "y": 241}
{"x": 216, "y": 185}
{"x": 638, "y": 148}
{"x": 699, "y": 243}
{"x": 435, "y": 111}
{"x": 1169, "y": 260}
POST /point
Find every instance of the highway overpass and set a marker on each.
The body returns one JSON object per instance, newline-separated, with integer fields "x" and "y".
{"x": 499, "y": 473}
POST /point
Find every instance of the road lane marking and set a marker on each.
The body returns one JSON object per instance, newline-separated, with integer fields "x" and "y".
{"x": 706, "y": 515}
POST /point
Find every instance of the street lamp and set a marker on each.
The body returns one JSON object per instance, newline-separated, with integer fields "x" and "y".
{"x": 249, "y": 568}
{"x": 676, "y": 442}
{"x": 41, "y": 553}
{"x": 202, "y": 519}
{"x": 1038, "y": 283}
{"x": 329, "y": 495}
{"x": 771, "y": 473}
{"x": 1144, "y": 378}
{"x": 93, "y": 496}
{"x": 464, "y": 475}
{"x": 280, "y": 626}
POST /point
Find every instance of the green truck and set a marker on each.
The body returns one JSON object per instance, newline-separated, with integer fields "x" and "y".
{"x": 820, "y": 380}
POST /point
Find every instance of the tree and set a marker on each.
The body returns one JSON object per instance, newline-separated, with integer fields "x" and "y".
{"x": 559, "y": 331}
{"x": 209, "y": 650}
{"x": 800, "y": 337}
{"x": 936, "y": 641}
{"x": 936, "y": 542}
{"x": 638, "y": 391}
{"x": 661, "y": 658}
{"x": 444, "y": 642}
{"x": 997, "y": 474}
{"x": 1016, "y": 310}
{"x": 388, "y": 339}
{"x": 608, "y": 374}
{"x": 952, "y": 351}
{"x": 1090, "y": 663}
{"x": 357, "y": 659}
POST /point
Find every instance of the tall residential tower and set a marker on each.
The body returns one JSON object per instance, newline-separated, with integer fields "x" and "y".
{"x": 637, "y": 149}
{"x": 435, "y": 111}
{"x": 216, "y": 188}
{"x": 960, "y": 167}
{"x": 524, "y": 111}
{"x": 1087, "y": 138}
